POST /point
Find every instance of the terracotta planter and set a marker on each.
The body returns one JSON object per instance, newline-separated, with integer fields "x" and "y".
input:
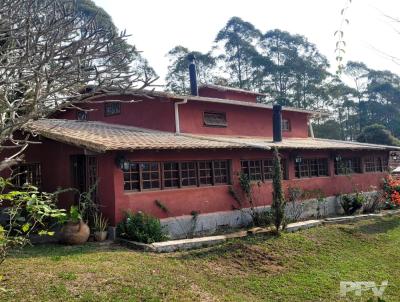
{"x": 75, "y": 233}
{"x": 100, "y": 236}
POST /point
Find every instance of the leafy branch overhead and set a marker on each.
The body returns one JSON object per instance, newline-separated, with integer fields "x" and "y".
{"x": 51, "y": 50}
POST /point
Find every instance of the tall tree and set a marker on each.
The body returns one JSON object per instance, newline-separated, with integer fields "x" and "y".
{"x": 297, "y": 73}
{"x": 177, "y": 78}
{"x": 49, "y": 50}
{"x": 239, "y": 40}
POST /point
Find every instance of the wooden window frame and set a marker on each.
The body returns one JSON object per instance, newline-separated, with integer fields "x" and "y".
{"x": 162, "y": 178}
{"x": 85, "y": 114}
{"x": 117, "y": 104}
{"x": 375, "y": 164}
{"x": 351, "y": 160}
{"x": 38, "y": 174}
{"x": 289, "y": 127}
{"x": 263, "y": 166}
{"x": 315, "y": 167}
{"x": 208, "y": 124}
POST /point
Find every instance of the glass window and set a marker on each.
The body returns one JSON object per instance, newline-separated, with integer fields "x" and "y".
{"x": 188, "y": 174}
{"x": 27, "y": 174}
{"x": 112, "y": 108}
{"x": 171, "y": 175}
{"x": 216, "y": 119}
{"x": 221, "y": 172}
{"x": 348, "y": 166}
{"x": 205, "y": 173}
{"x": 285, "y": 125}
{"x": 311, "y": 167}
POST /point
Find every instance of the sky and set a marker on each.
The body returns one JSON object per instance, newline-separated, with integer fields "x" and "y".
{"x": 156, "y": 26}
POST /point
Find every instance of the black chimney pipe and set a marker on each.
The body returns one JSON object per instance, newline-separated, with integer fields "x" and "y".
{"x": 193, "y": 75}
{"x": 277, "y": 123}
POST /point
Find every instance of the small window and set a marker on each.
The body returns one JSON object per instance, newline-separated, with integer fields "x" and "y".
{"x": 375, "y": 164}
{"x": 285, "y": 125}
{"x": 312, "y": 167}
{"x": 215, "y": 119}
{"x": 27, "y": 174}
{"x": 131, "y": 178}
{"x": 171, "y": 175}
{"x": 81, "y": 115}
{"x": 221, "y": 171}
{"x": 112, "y": 108}
{"x": 348, "y": 166}
{"x": 150, "y": 174}
{"x": 205, "y": 173}
{"x": 188, "y": 172}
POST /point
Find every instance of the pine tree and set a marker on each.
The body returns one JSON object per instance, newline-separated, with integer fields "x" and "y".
{"x": 278, "y": 201}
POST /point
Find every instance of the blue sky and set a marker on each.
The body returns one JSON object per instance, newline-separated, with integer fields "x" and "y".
{"x": 156, "y": 25}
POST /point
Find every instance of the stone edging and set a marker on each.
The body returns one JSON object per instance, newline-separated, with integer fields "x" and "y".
{"x": 193, "y": 243}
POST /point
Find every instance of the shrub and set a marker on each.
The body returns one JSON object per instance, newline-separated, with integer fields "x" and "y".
{"x": 352, "y": 203}
{"x": 391, "y": 189}
{"x": 262, "y": 218}
{"x": 140, "y": 227}
{"x": 374, "y": 203}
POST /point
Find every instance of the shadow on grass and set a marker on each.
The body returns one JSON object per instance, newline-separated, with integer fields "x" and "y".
{"x": 379, "y": 226}
{"x": 231, "y": 247}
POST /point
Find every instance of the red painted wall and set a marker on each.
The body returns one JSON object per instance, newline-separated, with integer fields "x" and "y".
{"x": 158, "y": 113}
{"x": 245, "y": 121}
{"x": 217, "y": 198}
{"x": 154, "y": 113}
{"x": 56, "y": 173}
{"x": 229, "y": 95}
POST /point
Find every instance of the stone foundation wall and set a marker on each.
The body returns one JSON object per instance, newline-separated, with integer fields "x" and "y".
{"x": 207, "y": 224}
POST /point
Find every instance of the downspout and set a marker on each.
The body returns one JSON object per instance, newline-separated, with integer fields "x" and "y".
{"x": 177, "y": 124}
{"x": 310, "y": 127}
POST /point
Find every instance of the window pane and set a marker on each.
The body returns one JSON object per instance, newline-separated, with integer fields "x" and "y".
{"x": 205, "y": 172}
{"x": 217, "y": 119}
{"x": 27, "y": 174}
{"x": 188, "y": 174}
{"x": 311, "y": 167}
{"x": 221, "y": 172}
{"x": 171, "y": 175}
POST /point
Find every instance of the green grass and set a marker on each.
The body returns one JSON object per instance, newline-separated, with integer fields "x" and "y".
{"x": 302, "y": 266}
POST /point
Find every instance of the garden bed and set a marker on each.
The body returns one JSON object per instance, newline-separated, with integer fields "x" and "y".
{"x": 198, "y": 242}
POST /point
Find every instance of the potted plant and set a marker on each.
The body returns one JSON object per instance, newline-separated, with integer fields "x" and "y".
{"x": 100, "y": 227}
{"x": 75, "y": 231}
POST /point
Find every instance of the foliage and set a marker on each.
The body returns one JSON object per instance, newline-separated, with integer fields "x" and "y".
{"x": 278, "y": 198}
{"x": 74, "y": 215}
{"x": 373, "y": 203}
{"x": 391, "y": 191}
{"x": 352, "y": 203}
{"x": 291, "y": 70}
{"x": 377, "y": 134}
{"x": 177, "y": 78}
{"x": 100, "y": 222}
{"x": 294, "y": 207}
{"x": 140, "y": 227}
{"x": 25, "y": 212}
{"x": 50, "y": 50}
{"x": 260, "y": 217}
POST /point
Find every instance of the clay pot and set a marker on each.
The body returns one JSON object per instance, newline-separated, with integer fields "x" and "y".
{"x": 75, "y": 233}
{"x": 100, "y": 236}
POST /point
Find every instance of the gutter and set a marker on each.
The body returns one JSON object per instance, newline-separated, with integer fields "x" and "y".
{"x": 176, "y": 109}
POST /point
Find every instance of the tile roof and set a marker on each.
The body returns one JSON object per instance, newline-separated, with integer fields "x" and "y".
{"x": 101, "y": 137}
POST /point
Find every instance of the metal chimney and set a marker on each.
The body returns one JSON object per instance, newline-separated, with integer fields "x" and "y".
{"x": 277, "y": 123}
{"x": 193, "y": 75}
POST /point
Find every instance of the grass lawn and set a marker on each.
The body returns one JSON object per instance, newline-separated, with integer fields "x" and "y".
{"x": 303, "y": 266}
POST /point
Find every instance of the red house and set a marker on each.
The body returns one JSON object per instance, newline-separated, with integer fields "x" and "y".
{"x": 186, "y": 151}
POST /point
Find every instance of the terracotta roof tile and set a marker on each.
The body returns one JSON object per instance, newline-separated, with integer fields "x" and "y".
{"x": 101, "y": 137}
